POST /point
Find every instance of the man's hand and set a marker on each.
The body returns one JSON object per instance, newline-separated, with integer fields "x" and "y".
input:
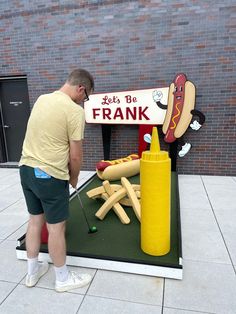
{"x": 73, "y": 182}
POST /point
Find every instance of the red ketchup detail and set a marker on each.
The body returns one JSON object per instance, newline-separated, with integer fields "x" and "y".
{"x": 103, "y": 164}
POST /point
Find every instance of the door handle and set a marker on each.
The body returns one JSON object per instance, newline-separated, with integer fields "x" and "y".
{"x": 6, "y": 126}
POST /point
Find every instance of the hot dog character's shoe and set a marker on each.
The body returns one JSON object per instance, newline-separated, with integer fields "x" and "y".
{"x": 185, "y": 149}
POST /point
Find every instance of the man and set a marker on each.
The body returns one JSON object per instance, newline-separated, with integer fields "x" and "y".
{"x": 51, "y": 159}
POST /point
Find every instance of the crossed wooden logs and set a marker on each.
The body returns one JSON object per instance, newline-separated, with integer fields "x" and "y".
{"x": 115, "y": 196}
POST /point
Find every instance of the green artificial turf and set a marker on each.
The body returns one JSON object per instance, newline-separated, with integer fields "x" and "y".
{"x": 114, "y": 240}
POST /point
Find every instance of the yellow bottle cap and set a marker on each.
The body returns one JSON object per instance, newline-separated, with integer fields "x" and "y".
{"x": 155, "y": 154}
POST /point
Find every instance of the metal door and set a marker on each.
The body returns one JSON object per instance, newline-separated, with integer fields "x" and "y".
{"x": 14, "y": 111}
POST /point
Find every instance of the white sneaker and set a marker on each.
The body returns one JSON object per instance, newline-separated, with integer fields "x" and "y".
{"x": 74, "y": 281}
{"x": 31, "y": 280}
{"x": 185, "y": 149}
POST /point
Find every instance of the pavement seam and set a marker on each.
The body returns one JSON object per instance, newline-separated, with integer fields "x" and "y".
{"x": 122, "y": 300}
{"x": 11, "y": 205}
{"x": 163, "y": 296}
{"x": 219, "y": 227}
{"x": 17, "y": 284}
{"x": 86, "y": 291}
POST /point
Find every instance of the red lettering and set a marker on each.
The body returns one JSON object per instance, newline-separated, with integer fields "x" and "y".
{"x": 106, "y": 113}
{"x": 116, "y": 100}
{"x": 135, "y": 113}
{"x": 118, "y": 114}
{"x": 95, "y": 113}
{"x": 108, "y": 101}
{"x": 131, "y": 112}
{"x": 105, "y": 102}
{"x": 130, "y": 99}
{"x": 141, "y": 113}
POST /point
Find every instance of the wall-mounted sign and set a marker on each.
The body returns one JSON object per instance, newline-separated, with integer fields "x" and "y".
{"x": 129, "y": 107}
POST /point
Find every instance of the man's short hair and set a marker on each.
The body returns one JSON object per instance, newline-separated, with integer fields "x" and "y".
{"x": 81, "y": 77}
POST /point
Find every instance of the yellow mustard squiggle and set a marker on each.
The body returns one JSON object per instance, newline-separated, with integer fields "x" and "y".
{"x": 119, "y": 161}
{"x": 173, "y": 127}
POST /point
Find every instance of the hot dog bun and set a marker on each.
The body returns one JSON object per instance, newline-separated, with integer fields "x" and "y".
{"x": 181, "y": 101}
{"x": 115, "y": 172}
{"x": 186, "y": 116}
{"x": 101, "y": 165}
{"x": 170, "y": 105}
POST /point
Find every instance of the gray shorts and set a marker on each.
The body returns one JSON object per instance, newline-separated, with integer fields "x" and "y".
{"x": 45, "y": 195}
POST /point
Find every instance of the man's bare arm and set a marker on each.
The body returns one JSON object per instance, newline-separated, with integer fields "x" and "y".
{"x": 75, "y": 161}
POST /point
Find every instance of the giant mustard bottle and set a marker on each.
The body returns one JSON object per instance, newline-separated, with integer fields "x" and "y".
{"x": 155, "y": 180}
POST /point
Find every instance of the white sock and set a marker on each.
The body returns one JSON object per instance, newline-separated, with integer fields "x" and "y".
{"x": 62, "y": 273}
{"x": 33, "y": 265}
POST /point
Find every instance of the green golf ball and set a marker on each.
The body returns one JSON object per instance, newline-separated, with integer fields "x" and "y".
{"x": 93, "y": 229}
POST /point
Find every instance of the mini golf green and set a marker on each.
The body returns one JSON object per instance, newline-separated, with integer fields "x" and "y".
{"x": 113, "y": 240}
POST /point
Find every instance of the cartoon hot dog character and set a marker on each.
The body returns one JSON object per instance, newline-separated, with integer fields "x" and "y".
{"x": 181, "y": 101}
{"x": 115, "y": 169}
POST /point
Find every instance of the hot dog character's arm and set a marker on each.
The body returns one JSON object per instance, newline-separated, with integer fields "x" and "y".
{"x": 196, "y": 125}
{"x": 157, "y": 97}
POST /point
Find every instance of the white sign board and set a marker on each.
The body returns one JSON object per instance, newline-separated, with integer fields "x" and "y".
{"x": 129, "y": 107}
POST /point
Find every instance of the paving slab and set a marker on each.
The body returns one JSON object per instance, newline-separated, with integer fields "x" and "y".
{"x": 201, "y": 237}
{"x": 12, "y": 218}
{"x": 222, "y": 197}
{"x": 10, "y": 196}
{"x": 189, "y": 179}
{"x": 107, "y": 306}
{"x": 206, "y": 287}
{"x": 193, "y": 196}
{"x": 127, "y": 287}
{"x": 5, "y": 289}
{"x": 218, "y": 180}
{"x": 11, "y": 269}
{"x": 25, "y": 300}
{"x": 18, "y": 232}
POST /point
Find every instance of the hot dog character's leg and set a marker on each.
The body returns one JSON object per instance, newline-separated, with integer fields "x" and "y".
{"x": 195, "y": 125}
{"x": 186, "y": 146}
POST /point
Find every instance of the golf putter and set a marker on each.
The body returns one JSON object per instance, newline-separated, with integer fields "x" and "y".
{"x": 92, "y": 229}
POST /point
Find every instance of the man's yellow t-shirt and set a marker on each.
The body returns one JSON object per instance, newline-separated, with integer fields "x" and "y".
{"x": 54, "y": 121}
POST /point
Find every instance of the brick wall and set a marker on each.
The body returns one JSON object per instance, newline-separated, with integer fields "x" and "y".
{"x": 132, "y": 45}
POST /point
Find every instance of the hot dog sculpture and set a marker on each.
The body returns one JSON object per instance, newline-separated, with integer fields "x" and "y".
{"x": 115, "y": 169}
{"x": 181, "y": 101}
{"x": 179, "y": 113}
